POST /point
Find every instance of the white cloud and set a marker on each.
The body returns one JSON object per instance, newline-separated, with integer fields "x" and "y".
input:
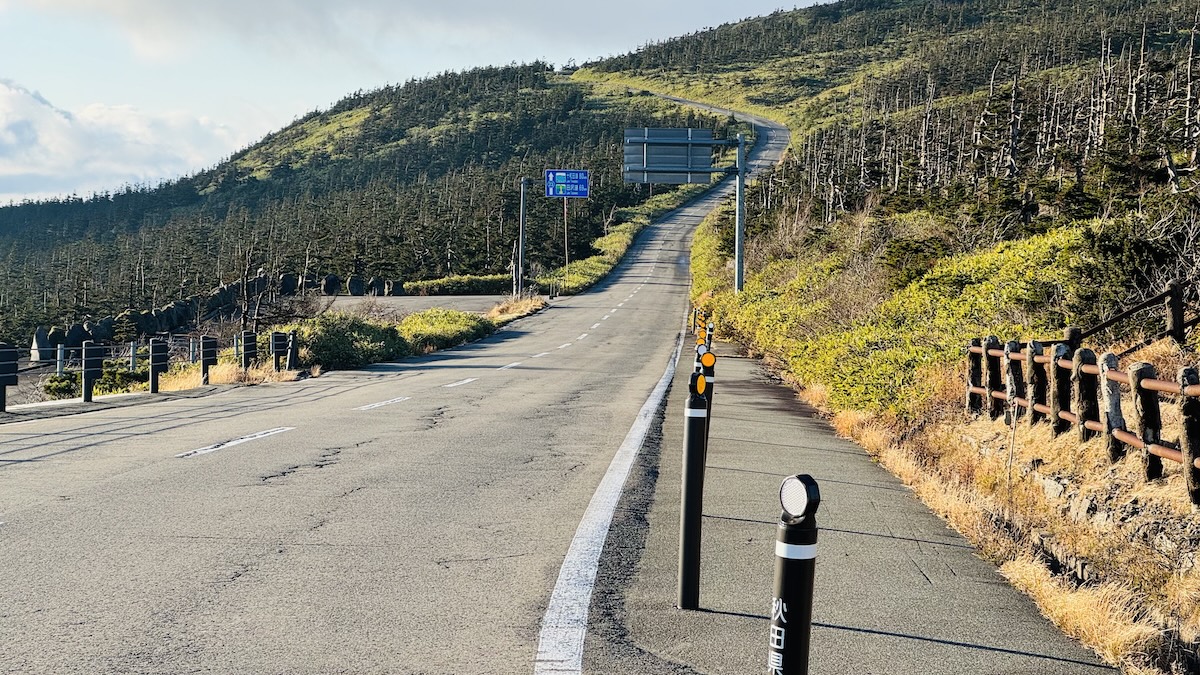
{"x": 45, "y": 150}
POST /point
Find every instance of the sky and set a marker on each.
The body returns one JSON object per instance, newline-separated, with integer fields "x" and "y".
{"x": 97, "y": 94}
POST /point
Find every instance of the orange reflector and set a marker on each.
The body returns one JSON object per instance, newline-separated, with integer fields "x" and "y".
{"x": 700, "y": 340}
{"x": 708, "y": 359}
{"x": 701, "y": 384}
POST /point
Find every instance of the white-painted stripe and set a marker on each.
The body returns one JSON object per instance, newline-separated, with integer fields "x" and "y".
{"x": 581, "y": 337}
{"x": 383, "y": 403}
{"x": 564, "y": 346}
{"x": 538, "y": 356}
{"x": 606, "y": 317}
{"x": 237, "y": 441}
{"x": 620, "y": 304}
{"x": 795, "y": 551}
{"x": 460, "y": 383}
{"x": 694, "y": 412}
{"x": 511, "y": 365}
{"x": 560, "y": 644}
{"x": 595, "y": 325}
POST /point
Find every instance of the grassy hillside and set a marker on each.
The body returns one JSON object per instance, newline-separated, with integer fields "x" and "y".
{"x": 408, "y": 182}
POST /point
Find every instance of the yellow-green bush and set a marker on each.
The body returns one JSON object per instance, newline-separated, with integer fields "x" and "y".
{"x": 435, "y": 329}
{"x": 338, "y": 341}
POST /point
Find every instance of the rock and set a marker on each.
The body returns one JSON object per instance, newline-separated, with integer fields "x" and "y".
{"x": 41, "y": 350}
{"x": 311, "y": 283}
{"x": 146, "y": 323}
{"x": 57, "y": 336}
{"x": 1081, "y": 509}
{"x": 331, "y": 285}
{"x": 1164, "y": 545}
{"x": 376, "y": 286}
{"x": 355, "y": 285}
{"x": 161, "y": 321}
{"x": 77, "y": 335}
{"x": 1052, "y": 488}
{"x": 287, "y": 284}
{"x": 104, "y": 329}
{"x": 1102, "y": 520}
{"x": 395, "y": 287}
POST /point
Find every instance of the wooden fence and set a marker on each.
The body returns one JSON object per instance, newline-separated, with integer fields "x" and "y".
{"x": 1066, "y": 385}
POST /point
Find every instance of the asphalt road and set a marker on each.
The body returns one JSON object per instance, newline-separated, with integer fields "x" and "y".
{"x": 408, "y": 518}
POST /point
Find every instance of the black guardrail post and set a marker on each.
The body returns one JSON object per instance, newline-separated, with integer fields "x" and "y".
{"x": 249, "y": 349}
{"x": 279, "y": 345}
{"x": 192, "y": 350}
{"x": 708, "y": 335}
{"x": 795, "y": 567}
{"x": 158, "y": 362}
{"x": 691, "y": 496}
{"x": 93, "y": 368}
{"x": 8, "y": 372}
{"x": 208, "y": 356}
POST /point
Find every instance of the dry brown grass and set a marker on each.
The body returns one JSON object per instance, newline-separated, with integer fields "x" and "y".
{"x": 189, "y": 377}
{"x": 515, "y": 308}
{"x": 1105, "y": 617}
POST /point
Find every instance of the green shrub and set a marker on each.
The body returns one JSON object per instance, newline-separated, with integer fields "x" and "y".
{"x": 435, "y": 329}
{"x": 491, "y": 284}
{"x": 62, "y": 386}
{"x": 339, "y": 341}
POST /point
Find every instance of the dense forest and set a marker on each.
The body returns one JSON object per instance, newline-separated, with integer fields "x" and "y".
{"x": 407, "y": 182}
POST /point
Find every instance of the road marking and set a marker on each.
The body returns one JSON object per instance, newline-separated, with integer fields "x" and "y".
{"x": 236, "y": 441}
{"x": 606, "y": 317}
{"x": 595, "y": 325}
{"x": 383, "y": 403}
{"x": 511, "y": 365}
{"x": 460, "y": 383}
{"x": 581, "y": 337}
{"x": 538, "y": 356}
{"x": 619, "y": 304}
{"x": 613, "y": 309}
{"x": 560, "y": 643}
{"x": 564, "y": 346}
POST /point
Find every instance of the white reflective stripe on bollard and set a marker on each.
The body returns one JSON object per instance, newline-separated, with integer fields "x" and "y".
{"x": 696, "y": 412}
{"x": 795, "y": 551}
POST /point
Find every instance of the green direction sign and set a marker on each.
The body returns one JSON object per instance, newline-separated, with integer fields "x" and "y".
{"x": 566, "y": 183}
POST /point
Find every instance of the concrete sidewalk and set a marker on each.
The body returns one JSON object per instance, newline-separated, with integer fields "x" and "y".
{"x": 897, "y": 590}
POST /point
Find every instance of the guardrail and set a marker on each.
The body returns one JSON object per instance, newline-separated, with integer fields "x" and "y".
{"x": 1068, "y": 386}
{"x": 91, "y": 359}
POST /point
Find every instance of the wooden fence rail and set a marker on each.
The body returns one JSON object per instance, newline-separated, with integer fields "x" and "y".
{"x": 1068, "y": 386}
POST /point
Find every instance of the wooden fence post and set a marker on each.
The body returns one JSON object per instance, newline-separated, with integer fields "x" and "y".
{"x": 1074, "y": 338}
{"x": 1014, "y": 380}
{"x": 1035, "y": 381}
{"x": 974, "y": 377}
{"x": 1149, "y": 418}
{"x": 994, "y": 375}
{"x": 1175, "y": 319}
{"x": 1084, "y": 393}
{"x": 1189, "y": 440}
{"x": 1113, "y": 417}
{"x": 1060, "y": 388}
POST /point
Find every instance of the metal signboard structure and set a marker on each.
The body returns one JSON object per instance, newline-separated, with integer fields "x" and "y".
{"x": 567, "y": 183}
{"x": 681, "y": 156}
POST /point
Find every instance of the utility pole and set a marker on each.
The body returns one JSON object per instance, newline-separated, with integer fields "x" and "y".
{"x": 566, "y": 246}
{"x": 520, "y": 267}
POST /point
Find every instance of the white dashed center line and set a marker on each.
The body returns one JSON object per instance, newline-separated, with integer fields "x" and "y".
{"x": 538, "y": 356}
{"x": 564, "y": 346}
{"x": 236, "y": 441}
{"x": 460, "y": 383}
{"x": 383, "y": 403}
{"x": 581, "y": 337}
{"x": 511, "y": 365}
{"x": 595, "y": 325}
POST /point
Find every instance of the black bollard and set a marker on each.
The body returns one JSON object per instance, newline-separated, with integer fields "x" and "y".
{"x": 208, "y": 356}
{"x": 158, "y": 362}
{"x": 249, "y": 349}
{"x": 279, "y": 347}
{"x": 293, "y": 352}
{"x": 93, "y": 368}
{"x": 795, "y": 565}
{"x": 691, "y": 498}
{"x": 8, "y": 372}
{"x": 708, "y": 335}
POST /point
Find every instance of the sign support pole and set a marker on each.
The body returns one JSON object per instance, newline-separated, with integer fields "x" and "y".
{"x": 566, "y": 247}
{"x": 740, "y": 218}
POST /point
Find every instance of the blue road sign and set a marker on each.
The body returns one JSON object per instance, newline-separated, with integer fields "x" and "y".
{"x": 566, "y": 183}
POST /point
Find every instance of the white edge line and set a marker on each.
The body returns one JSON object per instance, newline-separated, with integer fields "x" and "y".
{"x": 373, "y": 406}
{"x": 564, "y": 626}
{"x": 236, "y": 441}
{"x": 460, "y": 383}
